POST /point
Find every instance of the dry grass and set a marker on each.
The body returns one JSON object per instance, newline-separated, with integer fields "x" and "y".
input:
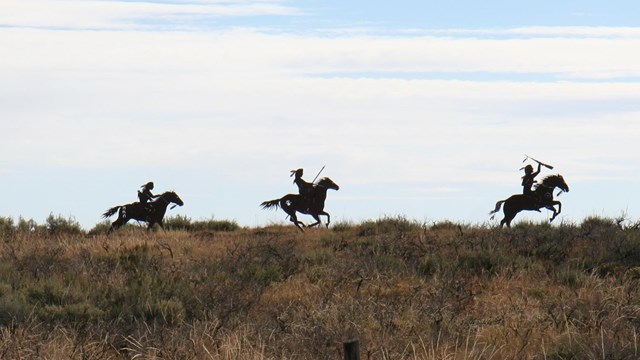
{"x": 406, "y": 290}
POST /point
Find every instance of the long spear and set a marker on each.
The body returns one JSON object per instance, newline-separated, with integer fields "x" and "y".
{"x": 314, "y": 179}
{"x": 539, "y": 162}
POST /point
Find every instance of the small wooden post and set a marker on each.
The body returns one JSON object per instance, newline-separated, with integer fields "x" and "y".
{"x": 352, "y": 349}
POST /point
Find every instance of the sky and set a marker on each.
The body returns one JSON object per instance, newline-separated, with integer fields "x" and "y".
{"x": 418, "y": 109}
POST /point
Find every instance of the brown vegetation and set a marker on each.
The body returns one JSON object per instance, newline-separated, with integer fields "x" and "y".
{"x": 406, "y": 290}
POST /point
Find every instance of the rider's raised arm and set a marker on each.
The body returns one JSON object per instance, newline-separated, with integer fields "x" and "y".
{"x": 537, "y": 171}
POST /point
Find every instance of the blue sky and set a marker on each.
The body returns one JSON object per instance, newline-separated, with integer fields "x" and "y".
{"x": 422, "y": 109}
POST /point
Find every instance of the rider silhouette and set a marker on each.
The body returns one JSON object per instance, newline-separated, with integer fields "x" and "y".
{"x": 304, "y": 188}
{"x": 145, "y": 195}
{"x": 529, "y": 179}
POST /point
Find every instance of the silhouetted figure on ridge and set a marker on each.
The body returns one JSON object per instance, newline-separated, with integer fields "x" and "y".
{"x": 529, "y": 179}
{"x": 311, "y": 204}
{"x": 304, "y": 188}
{"x": 309, "y": 200}
{"x": 534, "y": 200}
{"x": 146, "y": 195}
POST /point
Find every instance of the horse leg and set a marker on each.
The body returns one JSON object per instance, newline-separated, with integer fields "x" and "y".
{"x": 291, "y": 211}
{"x": 317, "y": 218}
{"x": 506, "y": 221}
{"x": 120, "y": 221}
{"x": 551, "y": 207}
{"x": 509, "y": 215}
{"x": 296, "y": 222}
{"x": 328, "y": 217}
{"x": 293, "y": 218}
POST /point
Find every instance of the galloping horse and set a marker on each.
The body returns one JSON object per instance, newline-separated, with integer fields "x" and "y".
{"x": 151, "y": 212}
{"x": 542, "y": 198}
{"x": 313, "y": 205}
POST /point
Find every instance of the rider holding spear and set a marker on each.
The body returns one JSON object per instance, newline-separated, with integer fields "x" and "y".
{"x": 529, "y": 175}
{"x": 304, "y": 188}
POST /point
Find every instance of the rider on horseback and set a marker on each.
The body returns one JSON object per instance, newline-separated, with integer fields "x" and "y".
{"x": 528, "y": 180}
{"x": 304, "y": 188}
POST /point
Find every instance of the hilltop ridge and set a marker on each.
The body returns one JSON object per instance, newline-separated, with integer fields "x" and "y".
{"x": 406, "y": 289}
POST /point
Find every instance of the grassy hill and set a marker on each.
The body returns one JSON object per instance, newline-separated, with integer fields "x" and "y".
{"x": 407, "y": 290}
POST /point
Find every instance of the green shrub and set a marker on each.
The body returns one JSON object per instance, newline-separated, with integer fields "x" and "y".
{"x": 100, "y": 228}
{"x": 215, "y": 225}
{"x": 27, "y": 226}
{"x": 597, "y": 221}
{"x": 525, "y": 227}
{"x": 13, "y": 307}
{"x": 567, "y": 350}
{"x": 388, "y": 225}
{"x": 342, "y": 226}
{"x": 70, "y": 314}
{"x": 572, "y": 278}
{"x": 170, "y": 312}
{"x": 57, "y": 224}
{"x": 429, "y": 265}
{"x": 181, "y": 222}
{"x": 6, "y": 226}
{"x": 178, "y": 222}
{"x": 52, "y": 294}
{"x": 446, "y": 225}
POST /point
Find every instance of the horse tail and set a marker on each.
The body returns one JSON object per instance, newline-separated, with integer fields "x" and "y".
{"x": 275, "y": 204}
{"x": 498, "y": 206}
{"x": 111, "y": 212}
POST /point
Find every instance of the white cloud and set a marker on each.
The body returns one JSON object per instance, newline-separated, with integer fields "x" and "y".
{"x": 574, "y": 32}
{"x": 87, "y": 99}
{"x": 119, "y": 15}
{"x": 580, "y": 31}
{"x": 241, "y": 54}
{"x": 239, "y": 103}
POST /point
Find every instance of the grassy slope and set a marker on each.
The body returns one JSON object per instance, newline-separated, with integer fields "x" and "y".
{"x": 406, "y": 290}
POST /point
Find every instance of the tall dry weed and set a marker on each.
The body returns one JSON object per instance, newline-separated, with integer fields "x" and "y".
{"x": 406, "y": 290}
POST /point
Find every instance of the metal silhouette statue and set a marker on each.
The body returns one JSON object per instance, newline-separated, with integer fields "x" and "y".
{"x": 533, "y": 200}
{"x": 310, "y": 200}
{"x": 150, "y": 212}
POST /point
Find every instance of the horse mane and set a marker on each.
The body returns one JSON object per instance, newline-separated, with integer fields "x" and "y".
{"x": 162, "y": 194}
{"x": 548, "y": 179}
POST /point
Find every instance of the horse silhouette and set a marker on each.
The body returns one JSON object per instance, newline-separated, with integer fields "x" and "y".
{"x": 542, "y": 198}
{"x": 312, "y": 205}
{"x": 151, "y": 212}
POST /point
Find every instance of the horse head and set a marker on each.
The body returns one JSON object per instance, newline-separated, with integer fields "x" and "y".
{"x": 172, "y": 197}
{"x": 328, "y": 183}
{"x": 554, "y": 181}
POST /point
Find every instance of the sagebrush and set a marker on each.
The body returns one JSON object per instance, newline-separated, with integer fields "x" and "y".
{"x": 404, "y": 289}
